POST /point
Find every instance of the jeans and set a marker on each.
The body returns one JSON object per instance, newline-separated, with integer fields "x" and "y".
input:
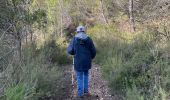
{"x": 82, "y": 82}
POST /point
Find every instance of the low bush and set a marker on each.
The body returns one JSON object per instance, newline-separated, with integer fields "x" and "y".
{"x": 38, "y": 75}
{"x": 15, "y": 93}
{"x": 132, "y": 64}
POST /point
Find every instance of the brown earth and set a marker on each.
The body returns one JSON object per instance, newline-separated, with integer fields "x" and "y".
{"x": 97, "y": 86}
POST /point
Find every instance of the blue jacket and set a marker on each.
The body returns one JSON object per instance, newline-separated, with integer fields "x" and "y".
{"x": 83, "y": 49}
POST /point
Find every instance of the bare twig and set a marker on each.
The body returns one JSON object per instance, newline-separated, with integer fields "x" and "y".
{"x": 7, "y": 53}
{"x": 5, "y": 32}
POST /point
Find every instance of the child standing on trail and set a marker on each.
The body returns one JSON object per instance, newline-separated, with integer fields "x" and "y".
{"x": 83, "y": 49}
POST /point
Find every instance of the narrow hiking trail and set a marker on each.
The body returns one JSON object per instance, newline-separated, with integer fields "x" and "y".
{"x": 97, "y": 86}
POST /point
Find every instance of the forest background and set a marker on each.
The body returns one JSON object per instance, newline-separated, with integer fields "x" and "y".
{"x": 131, "y": 37}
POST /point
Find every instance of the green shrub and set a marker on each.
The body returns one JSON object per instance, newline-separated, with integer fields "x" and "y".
{"x": 53, "y": 52}
{"x": 15, "y": 93}
{"x": 48, "y": 82}
{"x": 138, "y": 60}
{"x": 40, "y": 77}
{"x": 133, "y": 94}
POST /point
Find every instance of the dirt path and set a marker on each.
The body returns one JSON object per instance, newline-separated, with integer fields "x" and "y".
{"x": 97, "y": 87}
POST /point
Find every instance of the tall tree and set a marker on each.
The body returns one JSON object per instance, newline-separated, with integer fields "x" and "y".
{"x": 131, "y": 16}
{"x": 103, "y": 12}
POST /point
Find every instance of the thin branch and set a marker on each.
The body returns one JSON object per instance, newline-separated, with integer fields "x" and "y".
{"x": 7, "y": 53}
{"x": 5, "y": 32}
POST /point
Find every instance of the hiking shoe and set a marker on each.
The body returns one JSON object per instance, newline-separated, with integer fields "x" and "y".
{"x": 80, "y": 97}
{"x": 87, "y": 94}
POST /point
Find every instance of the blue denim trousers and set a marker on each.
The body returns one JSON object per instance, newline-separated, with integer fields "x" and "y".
{"x": 82, "y": 82}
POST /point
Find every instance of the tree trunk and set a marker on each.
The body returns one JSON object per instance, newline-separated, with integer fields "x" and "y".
{"x": 31, "y": 37}
{"x": 26, "y": 39}
{"x": 103, "y": 14}
{"x": 61, "y": 17}
{"x": 131, "y": 17}
{"x": 19, "y": 46}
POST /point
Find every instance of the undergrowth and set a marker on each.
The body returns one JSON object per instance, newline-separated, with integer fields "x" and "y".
{"x": 38, "y": 74}
{"x": 135, "y": 65}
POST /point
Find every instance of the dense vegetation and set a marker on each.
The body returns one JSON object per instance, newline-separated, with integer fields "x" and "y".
{"x": 138, "y": 67}
{"x": 131, "y": 37}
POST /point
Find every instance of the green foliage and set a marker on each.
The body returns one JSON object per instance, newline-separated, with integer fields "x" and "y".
{"x": 39, "y": 76}
{"x": 15, "y": 93}
{"x": 161, "y": 95}
{"x": 132, "y": 65}
{"x": 16, "y": 2}
{"x": 133, "y": 94}
{"x": 54, "y": 53}
{"x": 48, "y": 83}
{"x": 41, "y": 80}
{"x": 37, "y": 18}
{"x": 37, "y": 73}
{"x": 136, "y": 66}
{"x": 50, "y": 51}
